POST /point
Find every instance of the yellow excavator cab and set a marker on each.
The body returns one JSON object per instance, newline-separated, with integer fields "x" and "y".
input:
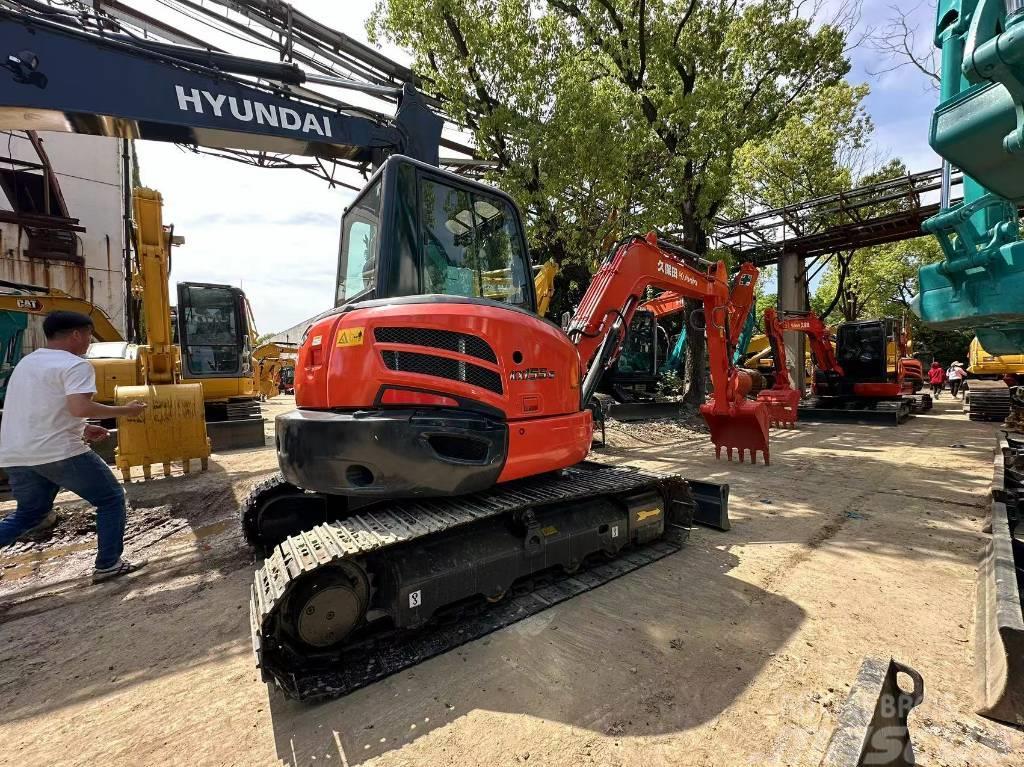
{"x": 116, "y": 364}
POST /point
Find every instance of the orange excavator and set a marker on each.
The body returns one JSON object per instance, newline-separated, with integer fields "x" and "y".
{"x": 639, "y": 367}
{"x": 857, "y": 380}
{"x": 782, "y": 400}
{"x": 436, "y": 458}
{"x": 435, "y": 463}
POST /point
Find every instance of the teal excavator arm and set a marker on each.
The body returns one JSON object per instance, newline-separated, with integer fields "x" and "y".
{"x": 978, "y": 127}
{"x": 744, "y": 340}
{"x": 674, "y": 361}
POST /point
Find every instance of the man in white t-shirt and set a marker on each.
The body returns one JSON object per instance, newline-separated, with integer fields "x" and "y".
{"x": 44, "y": 441}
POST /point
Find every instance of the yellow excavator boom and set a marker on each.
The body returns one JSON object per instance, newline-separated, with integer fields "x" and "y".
{"x": 544, "y": 285}
{"x": 173, "y": 425}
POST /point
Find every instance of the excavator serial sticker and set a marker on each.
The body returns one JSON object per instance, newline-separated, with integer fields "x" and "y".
{"x": 549, "y": 530}
{"x": 642, "y": 515}
{"x": 415, "y": 598}
{"x": 349, "y": 337}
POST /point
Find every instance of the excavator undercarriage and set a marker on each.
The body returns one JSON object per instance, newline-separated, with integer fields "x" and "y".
{"x": 356, "y": 599}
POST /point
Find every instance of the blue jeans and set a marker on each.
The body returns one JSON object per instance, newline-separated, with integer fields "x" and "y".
{"x": 85, "y": 475}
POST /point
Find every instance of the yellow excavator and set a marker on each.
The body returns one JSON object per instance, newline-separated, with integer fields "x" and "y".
{"x": 230, "y": 384}
{"x": 987, "y": 390}
{"x": 274, "y": 366}
{"x": 173, "y": 425}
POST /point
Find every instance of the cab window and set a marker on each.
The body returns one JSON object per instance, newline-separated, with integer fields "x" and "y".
{"x": 359, "y": 239}
{"x": 471, "y": 245}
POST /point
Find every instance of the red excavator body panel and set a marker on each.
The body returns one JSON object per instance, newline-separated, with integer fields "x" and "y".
{"x": 509, "y": 360}
{"x": 426, "y": 372}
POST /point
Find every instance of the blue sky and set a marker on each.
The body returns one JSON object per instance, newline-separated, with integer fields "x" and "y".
{"x": 275, "y": 232}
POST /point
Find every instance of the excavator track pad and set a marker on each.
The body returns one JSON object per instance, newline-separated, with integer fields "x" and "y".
{"x": 352, "y": 601}
{"x": 878, "y": 412}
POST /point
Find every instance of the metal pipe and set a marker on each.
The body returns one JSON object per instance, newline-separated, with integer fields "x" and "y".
{"x": 353, "y": 85}
{"x": 126, "y": 202}
{"x": 944, "y": 190}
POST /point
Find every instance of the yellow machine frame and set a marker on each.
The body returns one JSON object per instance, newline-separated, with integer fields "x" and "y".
{"x": 268, "y": 362}
{"x": 981, "y": 363}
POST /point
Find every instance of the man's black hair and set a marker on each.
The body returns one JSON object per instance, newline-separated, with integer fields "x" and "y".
{"x": 58, "y": 324}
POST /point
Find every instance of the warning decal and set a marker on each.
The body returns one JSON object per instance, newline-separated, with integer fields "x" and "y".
{"x": 349, "y": 337}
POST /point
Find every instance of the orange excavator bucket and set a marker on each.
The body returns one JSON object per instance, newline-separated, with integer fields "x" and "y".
{"x": 782, "y": 406}
{"x": 743, "y": 427}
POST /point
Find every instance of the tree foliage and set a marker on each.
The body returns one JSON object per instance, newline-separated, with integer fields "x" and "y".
{"x": 607, "y": 117}
{"x": 821, "y": 150}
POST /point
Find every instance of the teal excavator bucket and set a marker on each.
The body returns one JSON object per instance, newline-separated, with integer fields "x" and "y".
{"x": 979, "y": 128}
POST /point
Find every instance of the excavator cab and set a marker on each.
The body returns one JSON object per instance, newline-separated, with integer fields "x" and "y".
{"x": 416, "y": 230}
{"x": 637, "y": 369}
{"x": 213, "y": 331}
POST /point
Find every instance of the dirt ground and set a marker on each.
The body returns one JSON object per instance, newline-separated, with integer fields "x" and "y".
{"x": 739, "y": 650}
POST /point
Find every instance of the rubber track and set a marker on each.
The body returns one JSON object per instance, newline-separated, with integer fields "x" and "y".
{"x": 248, "y": 510}
{"x": 399, "y": 523}
{"x": 365, "y": 668}
{"x": 885, "y": 412}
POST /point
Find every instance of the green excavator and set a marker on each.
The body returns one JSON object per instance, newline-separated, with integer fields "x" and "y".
{"x": 978, "y": 127}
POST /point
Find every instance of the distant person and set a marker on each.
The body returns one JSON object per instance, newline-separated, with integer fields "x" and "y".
{"x": 936, "y": 377}
{"x": 956, "y": 375}
{"x": 44, "y": 441}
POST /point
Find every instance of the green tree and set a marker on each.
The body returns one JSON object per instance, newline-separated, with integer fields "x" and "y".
{"x": 611, "y": 116}
{"x": 820, "y": 150}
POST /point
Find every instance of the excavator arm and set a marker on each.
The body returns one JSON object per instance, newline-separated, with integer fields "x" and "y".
{"x": 544, "y": 285}
{"x": 598, "y": 330}
{"x": 63, "y": 77}
{"x": 741, "y": 300}
{"x": 31, "y": 299}
{"x": 782, "y": 399}
{"x": 817, "y": 335}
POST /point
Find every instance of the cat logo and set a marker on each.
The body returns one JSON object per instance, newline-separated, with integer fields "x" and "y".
{"x": 30, "y": 304}
{"x": 349, "y": 337}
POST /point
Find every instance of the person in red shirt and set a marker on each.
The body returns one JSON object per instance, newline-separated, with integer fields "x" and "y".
{"x": 936, "y": 377}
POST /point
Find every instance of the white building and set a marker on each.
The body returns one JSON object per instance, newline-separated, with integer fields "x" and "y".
{"x": 69, "y": 233}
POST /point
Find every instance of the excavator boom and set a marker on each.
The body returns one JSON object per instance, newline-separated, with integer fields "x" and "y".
{"x": 31, "y": 299}
{"x": 598, "y": 330}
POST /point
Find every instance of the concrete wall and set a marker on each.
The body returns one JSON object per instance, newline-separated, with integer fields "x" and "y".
{"x": 88, "y": 170}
